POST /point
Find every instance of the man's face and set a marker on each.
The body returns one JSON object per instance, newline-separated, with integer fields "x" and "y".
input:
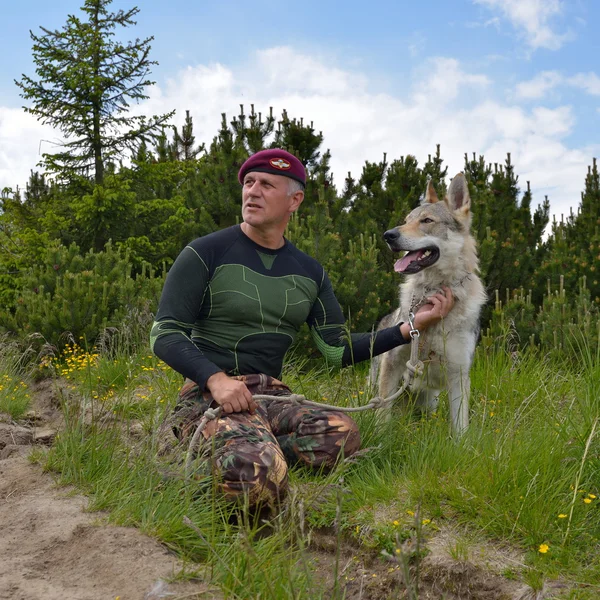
{"x": 266, "y": 201}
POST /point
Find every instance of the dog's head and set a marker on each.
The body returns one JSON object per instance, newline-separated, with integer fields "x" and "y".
{"x": 436, "y": 229}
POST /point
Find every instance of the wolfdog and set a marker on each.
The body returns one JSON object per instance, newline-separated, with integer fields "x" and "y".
{"x": 440, "y": 251}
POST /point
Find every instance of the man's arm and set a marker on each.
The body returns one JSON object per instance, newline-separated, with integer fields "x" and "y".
{"x": 178, "y": 310}
{"x": 341, "y": 348}
{"x": 170, "y": 338}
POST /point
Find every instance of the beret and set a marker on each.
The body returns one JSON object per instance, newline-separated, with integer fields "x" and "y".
{"x": 276, "y": 161}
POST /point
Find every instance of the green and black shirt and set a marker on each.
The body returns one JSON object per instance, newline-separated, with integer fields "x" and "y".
{"x": 231, "y": 305}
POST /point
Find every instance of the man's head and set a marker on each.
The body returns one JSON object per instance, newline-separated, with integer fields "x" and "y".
{"x": 273, "y": 188}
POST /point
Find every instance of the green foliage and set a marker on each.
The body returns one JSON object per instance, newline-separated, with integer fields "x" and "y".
{"x": 565, "y": 326}
{"x": 15, "y": 372}
{"x": 509, "y": 235}
{"x": 352, "y": 266}
{"x": 573, "y": 248}
{"x": 82, "y": 295}
{"x": 85, "y": 83}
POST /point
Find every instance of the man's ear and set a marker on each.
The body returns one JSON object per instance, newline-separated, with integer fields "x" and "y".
{"x": 296, "y": 200}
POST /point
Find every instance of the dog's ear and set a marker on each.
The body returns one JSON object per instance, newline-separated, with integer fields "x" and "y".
{"x": 458, "y": 194}
{"x": 430, "y": 195}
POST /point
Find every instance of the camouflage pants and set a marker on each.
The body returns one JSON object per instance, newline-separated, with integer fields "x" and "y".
{"x": 250, "y": 453}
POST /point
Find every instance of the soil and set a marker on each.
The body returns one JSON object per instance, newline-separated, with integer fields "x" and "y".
{"x": 368, "y": 576}
{"x": 51, "y": 548}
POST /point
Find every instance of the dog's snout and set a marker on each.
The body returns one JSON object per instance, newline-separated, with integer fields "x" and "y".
{"x": 391, "y": 235}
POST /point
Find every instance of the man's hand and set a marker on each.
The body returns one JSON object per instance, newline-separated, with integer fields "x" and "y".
{"x": 230, "y": 394}
{"x": 438, "y": 306}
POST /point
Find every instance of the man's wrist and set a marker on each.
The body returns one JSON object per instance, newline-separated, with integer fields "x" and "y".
{"x": 215, "y": 378}
{"x": 405, "y": 331}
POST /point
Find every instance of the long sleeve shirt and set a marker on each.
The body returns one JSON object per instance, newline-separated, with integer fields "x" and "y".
{"x": 231, "y": 305}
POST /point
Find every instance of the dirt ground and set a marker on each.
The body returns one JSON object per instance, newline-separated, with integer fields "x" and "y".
{"x": 52, "y": 549}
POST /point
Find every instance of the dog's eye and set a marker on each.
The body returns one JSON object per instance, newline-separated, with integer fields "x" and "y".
{"x": 426, "y": 220}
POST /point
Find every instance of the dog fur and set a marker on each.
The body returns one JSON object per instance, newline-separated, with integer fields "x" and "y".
{"x": 446, "y": 348}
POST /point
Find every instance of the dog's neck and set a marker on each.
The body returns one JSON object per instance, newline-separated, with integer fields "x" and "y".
{"x": 422, "y": 290}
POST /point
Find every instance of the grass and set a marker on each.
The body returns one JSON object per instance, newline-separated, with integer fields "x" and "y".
{"x": 15, "y": 394}
{"x": 526, "y": 474}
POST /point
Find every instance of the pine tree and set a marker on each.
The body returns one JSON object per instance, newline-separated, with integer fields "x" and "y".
{"x": 85, "y": 83}
{"x": 509, "y": 236}
{"x": 184, "y": 143}
{"x": 573, "y": 248}
{"x": 251, "y": 132}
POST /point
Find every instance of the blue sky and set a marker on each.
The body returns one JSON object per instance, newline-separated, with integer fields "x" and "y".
{"x": 484, "y": 76}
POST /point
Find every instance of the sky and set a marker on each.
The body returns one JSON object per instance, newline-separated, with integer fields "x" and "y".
{"x": 475, "y": 76}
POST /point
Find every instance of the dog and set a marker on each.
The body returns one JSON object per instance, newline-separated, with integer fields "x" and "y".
{"x": 440, "y": 251}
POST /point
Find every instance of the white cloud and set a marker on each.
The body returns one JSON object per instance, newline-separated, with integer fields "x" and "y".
{"x": 442, "y": 103}
{"x": 541, "y": 84}
{"x": 589, "y": 82}
{"x": 23, "y": 140}
{"x": 545, "y": 81}
{"x": 532, "y": 18}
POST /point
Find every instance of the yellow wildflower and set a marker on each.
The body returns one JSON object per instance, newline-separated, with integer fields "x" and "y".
{"x": 587, "y": 500}
{"x": 396, "y": 523}
{"x": 592, "y": 496}
{"x": 410, "y": 512}
{"x": 425, "y": 521}
{"x": 543, "y": 548}
{"x": 562, "y": 516}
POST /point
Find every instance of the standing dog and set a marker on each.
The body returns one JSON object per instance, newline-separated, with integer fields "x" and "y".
{"x": 440, "y": 251}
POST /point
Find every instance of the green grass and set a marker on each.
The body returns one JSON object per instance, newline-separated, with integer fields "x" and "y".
{"x": 15, "y": 394}
{"x": 530, "y": 456}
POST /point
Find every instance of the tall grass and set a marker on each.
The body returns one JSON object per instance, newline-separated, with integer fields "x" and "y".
{"x": 526, "y": 474}
{"x": 15, "y": 378}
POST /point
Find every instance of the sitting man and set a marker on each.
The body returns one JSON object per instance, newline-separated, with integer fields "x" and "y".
{"x": 231, "y": 307}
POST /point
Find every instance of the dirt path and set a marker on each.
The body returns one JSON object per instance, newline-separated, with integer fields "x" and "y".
{"x": 51, "y": 549}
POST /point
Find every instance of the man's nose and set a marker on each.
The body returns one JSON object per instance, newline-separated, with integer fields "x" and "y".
{"x": 252, "y": 188}
{"x": 391, "y": 235}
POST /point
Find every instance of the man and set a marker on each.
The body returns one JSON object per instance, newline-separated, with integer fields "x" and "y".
{"x": 231, "y": 307}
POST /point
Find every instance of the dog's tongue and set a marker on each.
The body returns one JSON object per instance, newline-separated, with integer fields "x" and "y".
{"x": 401, "y": 265}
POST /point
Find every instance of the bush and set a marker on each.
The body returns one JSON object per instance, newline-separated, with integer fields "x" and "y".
{"x": 68, "y": 292}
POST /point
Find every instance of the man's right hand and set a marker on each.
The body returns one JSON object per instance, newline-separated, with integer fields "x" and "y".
{"x": 232, "y": 395}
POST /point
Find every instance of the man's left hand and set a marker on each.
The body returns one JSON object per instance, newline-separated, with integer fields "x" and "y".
{"x": 437, "y": 308}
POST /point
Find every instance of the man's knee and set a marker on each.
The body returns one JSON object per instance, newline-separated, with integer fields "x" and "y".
{"x": 326, "y": 436}
{"x": 257, "y": 471}
{"x": 345, "y": 435}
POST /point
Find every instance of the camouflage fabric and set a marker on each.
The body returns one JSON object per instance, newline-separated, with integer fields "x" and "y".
{"x": 249, "y": 454}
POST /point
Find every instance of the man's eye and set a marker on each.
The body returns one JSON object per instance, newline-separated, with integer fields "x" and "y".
{"x": 426, "y": 220}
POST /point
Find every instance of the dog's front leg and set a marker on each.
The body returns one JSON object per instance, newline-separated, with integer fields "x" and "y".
{"x": 459, "y": 388}
{"x": 390, "y": 374}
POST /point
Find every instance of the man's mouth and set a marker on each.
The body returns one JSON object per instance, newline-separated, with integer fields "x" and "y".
{"x": 252, "y": 205}
{"x": 417, "y": 260}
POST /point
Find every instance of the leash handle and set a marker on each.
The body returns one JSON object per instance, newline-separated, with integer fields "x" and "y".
{"x": 414, "y": 332}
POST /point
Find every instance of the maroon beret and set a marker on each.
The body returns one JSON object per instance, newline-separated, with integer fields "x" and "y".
{"x": 276, "y": 161}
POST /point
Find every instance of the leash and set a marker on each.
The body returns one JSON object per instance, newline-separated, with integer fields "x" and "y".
{"x": 414, "y": 369}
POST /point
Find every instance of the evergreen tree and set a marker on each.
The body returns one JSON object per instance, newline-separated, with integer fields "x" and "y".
{"x": 85, "y": 83}
{"x": 184, "y": 143}
{"x": 573, "y": 248}
{"x": 251, "y": 132}
{"x": 509, "y": 236}
{"x": 214, "y": 191}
